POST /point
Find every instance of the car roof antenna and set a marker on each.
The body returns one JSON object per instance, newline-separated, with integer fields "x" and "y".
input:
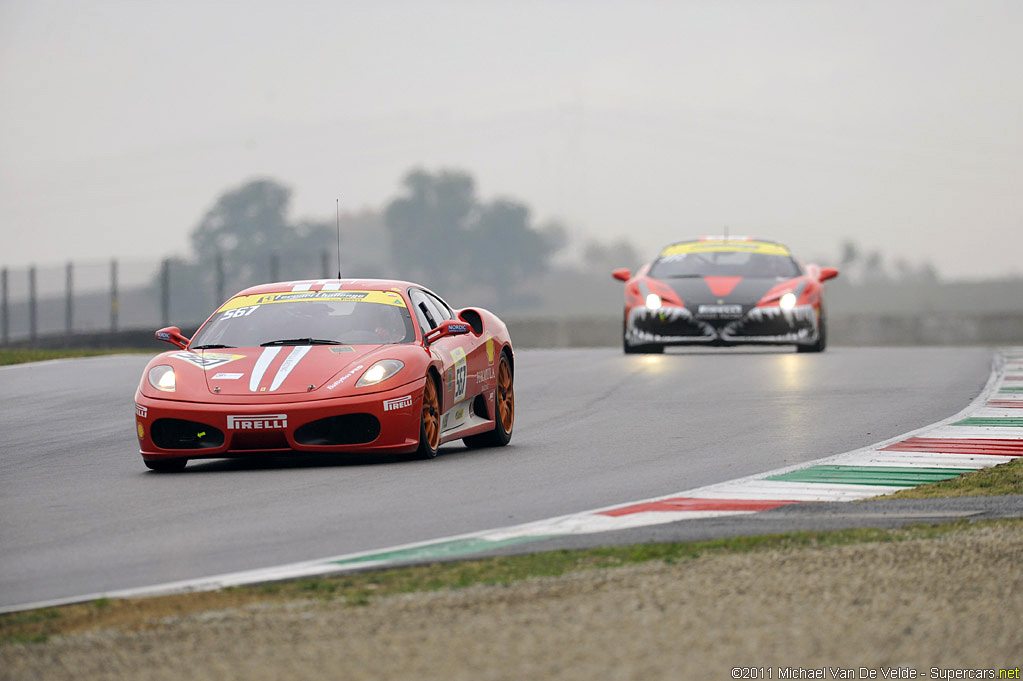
{"x": 337, "y": 207}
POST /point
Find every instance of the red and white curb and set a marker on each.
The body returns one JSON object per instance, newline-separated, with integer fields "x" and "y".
{"x": 988, "y": 432}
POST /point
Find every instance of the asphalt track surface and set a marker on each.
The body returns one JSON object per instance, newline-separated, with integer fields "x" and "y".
{"x": 79, "y": 513}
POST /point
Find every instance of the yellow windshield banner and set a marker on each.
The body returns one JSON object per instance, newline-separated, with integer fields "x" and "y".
{"x": 725, "y": 246}
{"x": 378, "y": 297}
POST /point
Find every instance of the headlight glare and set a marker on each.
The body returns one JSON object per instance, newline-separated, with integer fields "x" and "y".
{"x": 381, "y": 371}
{"x": 653, "y": 302}
{"x": 162, "y": 378}
{"x": 787, "y": 301}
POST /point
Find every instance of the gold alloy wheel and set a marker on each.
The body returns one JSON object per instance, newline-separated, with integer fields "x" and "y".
{"x": 506, "y": 396}
{"x": 431, "y": 413}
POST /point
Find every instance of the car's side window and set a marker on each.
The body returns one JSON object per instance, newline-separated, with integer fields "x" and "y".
{"x": 441, "y": 307}
{"x": 424, "y": 314}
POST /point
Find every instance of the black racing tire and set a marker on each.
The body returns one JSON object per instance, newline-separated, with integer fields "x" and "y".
{"x": 504, "y": 411}
{"x": 822, "y": 338}
{"x": 429, "y": 420}
{"x": 166, "y": 465}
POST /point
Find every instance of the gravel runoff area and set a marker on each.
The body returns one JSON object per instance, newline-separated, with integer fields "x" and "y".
{"x": 951, "y": 601}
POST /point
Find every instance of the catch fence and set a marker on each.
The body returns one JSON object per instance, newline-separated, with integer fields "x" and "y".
{"x": 119, "y": 294}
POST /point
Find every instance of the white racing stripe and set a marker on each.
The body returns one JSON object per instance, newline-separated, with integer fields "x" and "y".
{"x": 778, "y": 490}
{"x": 592, "y": 523}
{"x": 289, "y": 363}
{"x": 932, "y": 460}
{"x": 262, "y": 364}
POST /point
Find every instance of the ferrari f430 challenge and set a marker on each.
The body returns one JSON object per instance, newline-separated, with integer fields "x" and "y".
{"x": 328, "y": 366}
{"x": 724, "y": 291}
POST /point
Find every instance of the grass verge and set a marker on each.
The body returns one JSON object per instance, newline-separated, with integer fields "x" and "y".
{"x": 353, "y": 590}
{"x": 1006, "y": 478}
{"x": 22, "y": 355}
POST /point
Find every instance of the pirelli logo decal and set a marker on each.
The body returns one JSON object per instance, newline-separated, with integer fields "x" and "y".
{"x": 398, "y": 403}
{"x": 258, "y": 422}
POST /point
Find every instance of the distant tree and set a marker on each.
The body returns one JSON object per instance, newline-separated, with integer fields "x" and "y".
{"x": 850, "y": 254}
{"x": 443, "y": 235}
{"x": 430, "y": 224}
{"x": 605, "y": 257}
{"x": 507, "y": 249}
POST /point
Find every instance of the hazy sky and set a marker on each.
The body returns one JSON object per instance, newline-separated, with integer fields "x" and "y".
{"x": 897, "y": 123}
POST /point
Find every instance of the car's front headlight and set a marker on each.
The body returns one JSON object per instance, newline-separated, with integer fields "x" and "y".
{"x": 381, "y": 371}
{"x": 787, "y": 301}
{"x": 653, "y": 302}
{"x": 162, "y": 378}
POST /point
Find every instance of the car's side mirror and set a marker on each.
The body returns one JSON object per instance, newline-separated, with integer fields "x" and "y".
{"x": 448, "y": 327}
{"x": 172, "y": 335}
{"x": 827, "y": 273}
{"x": 621, "y": 274}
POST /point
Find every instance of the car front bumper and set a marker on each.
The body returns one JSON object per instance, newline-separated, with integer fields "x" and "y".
{"x": 763, "y": 325}
{"x": 223, "y": 429}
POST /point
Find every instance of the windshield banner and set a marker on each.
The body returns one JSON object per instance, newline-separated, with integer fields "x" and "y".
{"x": 762, "y": 247}
{"x": 378, "y": 297}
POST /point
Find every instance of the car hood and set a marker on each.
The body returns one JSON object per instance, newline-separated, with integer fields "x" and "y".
{"x": 745, "y": 291}
{"x": 280, "y": 370}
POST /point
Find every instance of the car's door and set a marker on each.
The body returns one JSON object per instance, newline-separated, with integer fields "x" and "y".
{"x": 459, "y": 355}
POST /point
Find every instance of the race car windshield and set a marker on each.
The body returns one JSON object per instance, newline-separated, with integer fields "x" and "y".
{"x": 309, "y": 318}
{"x": 725, "y": 264}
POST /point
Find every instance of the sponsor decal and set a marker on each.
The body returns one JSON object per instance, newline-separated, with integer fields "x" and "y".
{"x": 490, "y": 350}
{"x": 398, "y": 403}
{"x": 141, "y": 431}
{"x": 222, "y": 376}
{"x": 455, "y": 417}
{"x": 256, "y": 299}
{"x": 207, "y": 360}
{"x": 163, "y": 335}
{"x": 720, "y": 311}
{"x": 345, "y": 377}
{"x": 458, "y": 328}
{"x": 141, "y": 411}
{"x": 485, "y": 375}
{"x": 460, "y": 373}
{"x": 257, "y": 422}
{"x": 338, "y": 349}
{"x": 724, "y": 246}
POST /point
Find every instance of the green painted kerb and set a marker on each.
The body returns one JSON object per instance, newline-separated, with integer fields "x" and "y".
{"x": 1012, "y": 389}
{"x": 891, "y": 476}
{"x": 444, "y": 549}
{"x": 994, "y": 421}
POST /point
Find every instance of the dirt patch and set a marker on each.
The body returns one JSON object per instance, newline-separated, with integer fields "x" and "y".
{"x": 949, "y": 601}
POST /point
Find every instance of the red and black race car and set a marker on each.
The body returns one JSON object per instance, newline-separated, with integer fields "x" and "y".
{"x": 724, "y": 291}
{"x": 328, "y": 366}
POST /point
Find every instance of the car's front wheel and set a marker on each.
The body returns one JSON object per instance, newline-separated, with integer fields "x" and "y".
{"x": 645, "y": 349}
{"x": 504, "y": 411}
{"x": 822, "y": 337}
{"x": 166, "y": 465}
{"x": 429, "y": 422}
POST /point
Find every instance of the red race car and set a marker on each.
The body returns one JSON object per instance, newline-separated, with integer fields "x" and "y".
{"x": 337, "y": 365}
{"x": 724, "y": 291}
